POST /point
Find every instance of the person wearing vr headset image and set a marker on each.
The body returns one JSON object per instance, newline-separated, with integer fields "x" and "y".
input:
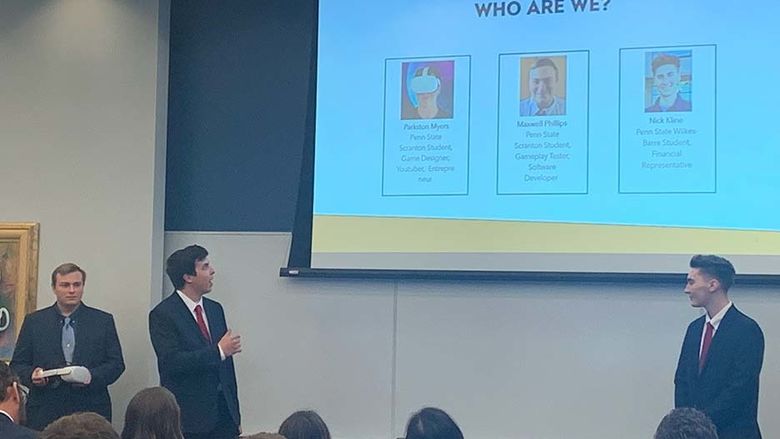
{"x": 423, "y": 92}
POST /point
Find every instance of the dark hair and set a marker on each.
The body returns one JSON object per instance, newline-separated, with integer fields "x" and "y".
{"x": 86, "y": 425}
{"x": 664, "y": 59}
{"x": 304, "y": 424}
{"x": 182, "y": 262}
{"x": 7, "y": 379}
{"x": 432, "y": 423}
{"x": 545, "y": 62}
{"x": 153, "y": 414}
{"x": 67, "y": 268}
{"x": 686, "y": 423}
{"x": 715, "y": 266}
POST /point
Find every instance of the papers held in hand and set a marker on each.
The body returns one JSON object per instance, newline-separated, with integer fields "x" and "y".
{"x": 70, "y": 374}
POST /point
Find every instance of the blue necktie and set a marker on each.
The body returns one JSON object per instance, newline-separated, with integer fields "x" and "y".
{"x": 68, "y": 341}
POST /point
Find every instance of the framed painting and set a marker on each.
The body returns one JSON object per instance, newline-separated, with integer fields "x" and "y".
{"x": 18, "y": 280}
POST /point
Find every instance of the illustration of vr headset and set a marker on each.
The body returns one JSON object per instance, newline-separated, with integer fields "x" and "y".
{"x": 425, "y": 83}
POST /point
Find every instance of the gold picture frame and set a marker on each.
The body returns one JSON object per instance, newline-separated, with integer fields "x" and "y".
{"x": 18, "y": 280}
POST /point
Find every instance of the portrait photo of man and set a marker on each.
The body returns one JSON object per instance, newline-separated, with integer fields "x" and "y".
{"x": 427, "y": 90}
{"x": 668, "y": 81}
{"x": 543, "y": 86}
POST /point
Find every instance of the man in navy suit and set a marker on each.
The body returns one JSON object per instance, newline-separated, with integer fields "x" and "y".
{"x": 722, "y": 353}
{"x": 68, "y": 333}
{"x": 195, "y": 349}
{"x": 12, "y": 400}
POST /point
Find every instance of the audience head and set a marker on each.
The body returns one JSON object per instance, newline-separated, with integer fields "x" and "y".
{"x": 686, "y": 423}
{"x": 432, "y": 423}
{"x": 86, "y": 425}
{"x": 304, "y": 425}
{"x": 153, "y": 414}
{"x": 264, "y": 436}
{"x": 13, "y": 395}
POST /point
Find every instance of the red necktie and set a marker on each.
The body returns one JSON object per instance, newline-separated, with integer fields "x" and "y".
{"x": 202, "y": 323}
{"x": 705, "y": 346}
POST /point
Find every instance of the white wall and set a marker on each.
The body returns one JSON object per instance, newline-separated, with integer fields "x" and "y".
{"x": 506, "y": 359}
{"x": 83, "y": 95}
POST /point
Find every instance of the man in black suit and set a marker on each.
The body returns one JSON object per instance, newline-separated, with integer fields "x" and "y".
{"x": 195, "y": 349}
{"x": 68, "y": 333}
{"x": 12, "y": 400}
{"x": 722, "y": 353}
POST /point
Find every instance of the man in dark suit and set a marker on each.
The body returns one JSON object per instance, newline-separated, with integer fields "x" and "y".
{"x": 722, "y": 353}
{"x": 12, "y": 400}
{"x": 195, "y": 349}
{"x": 68, "y": 333}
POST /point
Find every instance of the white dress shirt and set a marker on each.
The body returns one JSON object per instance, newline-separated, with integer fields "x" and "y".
{"x": 715, "y": 322}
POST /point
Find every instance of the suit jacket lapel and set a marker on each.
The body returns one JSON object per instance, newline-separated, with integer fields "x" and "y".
{"x": 79, "y": 331}
{"x": 696, "y": 344}
{"x": 211, "y": 316}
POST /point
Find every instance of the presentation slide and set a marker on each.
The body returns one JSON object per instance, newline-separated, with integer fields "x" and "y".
{"x": 546, "y": 135}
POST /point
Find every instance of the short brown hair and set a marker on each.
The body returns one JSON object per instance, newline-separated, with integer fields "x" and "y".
{"x": 85, "y": 425}
{"x": 664, "y": 59}
{"x": 67, "y": 268}
{"x": 715, "y": 266}
{"x": 545, "y": 62}
{"x": 183, "y": 262}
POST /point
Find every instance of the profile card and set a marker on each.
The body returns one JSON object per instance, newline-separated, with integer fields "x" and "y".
{"x": 667, "y": 120}
{"x": 543, "y": 123}
{"x": 426, "y": 126}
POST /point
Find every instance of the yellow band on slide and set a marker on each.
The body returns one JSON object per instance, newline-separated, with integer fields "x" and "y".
{"x": 346, "y": 234}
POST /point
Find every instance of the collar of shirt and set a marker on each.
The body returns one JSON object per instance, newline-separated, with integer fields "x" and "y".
{"x": 3, "y": 412}
{"x": 190, "y": 303}
{"x": 552, "y": 108}
{"x": 715, "y": 320}
{"x": 74, "y": 316}
{"x": 663, "y": 107}
{"x": 676, "y": 104}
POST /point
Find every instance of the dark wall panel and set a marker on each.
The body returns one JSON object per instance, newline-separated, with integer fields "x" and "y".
{"x": 239, "y": 74}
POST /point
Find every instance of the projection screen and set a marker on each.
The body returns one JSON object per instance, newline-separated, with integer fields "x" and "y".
{"x": 559, "y": 135}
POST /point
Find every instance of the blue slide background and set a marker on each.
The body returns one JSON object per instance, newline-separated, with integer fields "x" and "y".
{"x": 357, "y": 37}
